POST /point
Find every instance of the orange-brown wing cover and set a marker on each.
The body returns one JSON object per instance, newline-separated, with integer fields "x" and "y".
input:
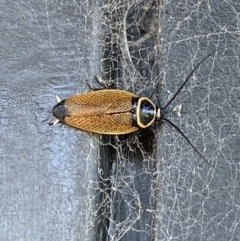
{"x": 103, "y": 111}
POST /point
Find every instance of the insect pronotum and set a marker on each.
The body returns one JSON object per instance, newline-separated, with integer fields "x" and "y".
{"x": 113, "y": 111}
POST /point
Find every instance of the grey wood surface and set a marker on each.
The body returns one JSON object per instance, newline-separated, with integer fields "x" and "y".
{"x": 58, "y": 183}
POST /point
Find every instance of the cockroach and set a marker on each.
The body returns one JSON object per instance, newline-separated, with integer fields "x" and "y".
{"x": 114, "y": 111}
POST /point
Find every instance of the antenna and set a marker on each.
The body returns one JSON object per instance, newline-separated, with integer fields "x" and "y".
{"x": 175, "y": 95}
{"x": 170, "y": 101}
{"x": 189, "y": 142}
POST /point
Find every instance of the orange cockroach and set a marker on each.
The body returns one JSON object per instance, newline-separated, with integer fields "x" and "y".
{"x": 112, "y": 111}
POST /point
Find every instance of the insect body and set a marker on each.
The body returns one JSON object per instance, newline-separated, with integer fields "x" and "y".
{"x": 107, "y": 111}
{"x": 113, "y": 112}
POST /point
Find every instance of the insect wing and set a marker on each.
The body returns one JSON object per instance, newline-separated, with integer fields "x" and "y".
{"x": 102, "y": 111}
